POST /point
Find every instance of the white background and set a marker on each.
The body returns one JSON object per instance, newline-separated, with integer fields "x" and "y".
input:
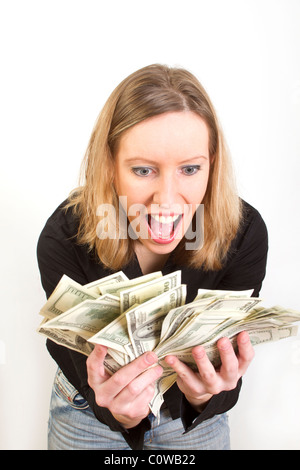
{"x": 60, "y": 60}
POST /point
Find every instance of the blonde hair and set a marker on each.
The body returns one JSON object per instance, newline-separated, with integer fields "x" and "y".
{"x": 148, "y": 92}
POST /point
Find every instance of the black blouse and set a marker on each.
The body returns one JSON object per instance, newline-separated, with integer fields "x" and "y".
{"x": 58, "y": 254}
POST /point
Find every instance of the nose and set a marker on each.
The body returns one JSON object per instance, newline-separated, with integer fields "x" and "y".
{"x": 165, "y": 191}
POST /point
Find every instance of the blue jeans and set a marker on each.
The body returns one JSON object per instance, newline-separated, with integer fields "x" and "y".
{"x": 72, "y": 425}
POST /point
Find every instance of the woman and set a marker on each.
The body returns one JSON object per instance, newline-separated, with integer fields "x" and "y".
{"x": 157, "y": 151}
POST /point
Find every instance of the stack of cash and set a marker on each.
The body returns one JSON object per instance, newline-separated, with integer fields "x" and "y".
{"x": 149, "y": 313}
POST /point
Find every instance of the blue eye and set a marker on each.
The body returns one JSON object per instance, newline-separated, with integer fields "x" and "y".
{"x": 142, "y": 171}
{"x": 190, "y": 169}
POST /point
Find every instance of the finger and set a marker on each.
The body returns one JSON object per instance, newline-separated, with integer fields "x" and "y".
{"x": 183, "y": 371}
{"x": 138, "y": 385}
{"x": 230, "y": 365}
{"x": 206, "y": 369}
{"x": 126, "y": 374}
{"x": 245, "y": 351}
{"x": 95, "y": 366}
{"x": 130, "y": 415}
{"x": 188, "y": 381}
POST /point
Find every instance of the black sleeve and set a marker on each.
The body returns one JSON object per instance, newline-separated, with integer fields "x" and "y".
{"x": 245, "y": 270}
{"x": 218, "y": 404}
{"x": 57, "y": 256}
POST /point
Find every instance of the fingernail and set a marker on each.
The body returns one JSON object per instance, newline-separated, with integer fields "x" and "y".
{"x": 224, "y": 344}
{"x": 244, "y": 338}
{"x": 99, "y": 349}
{"x": 199, "y": 353}
{"x": 150, "y": 358}
{"x": 169, "y": 360}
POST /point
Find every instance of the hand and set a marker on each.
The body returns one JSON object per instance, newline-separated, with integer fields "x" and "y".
{"x": 128, "y": 391}
{"x": 199, "y": 387}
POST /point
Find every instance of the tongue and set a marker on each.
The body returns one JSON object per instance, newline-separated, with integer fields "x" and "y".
{"x": 161, "y": 230}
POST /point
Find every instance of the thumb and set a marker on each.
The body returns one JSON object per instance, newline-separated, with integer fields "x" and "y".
{"x": 100, "y": 352}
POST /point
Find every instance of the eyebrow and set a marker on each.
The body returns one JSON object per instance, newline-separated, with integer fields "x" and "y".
{"x": 148, "y": 160}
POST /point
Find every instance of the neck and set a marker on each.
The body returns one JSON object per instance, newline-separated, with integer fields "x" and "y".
{"x": 149, "y": 262}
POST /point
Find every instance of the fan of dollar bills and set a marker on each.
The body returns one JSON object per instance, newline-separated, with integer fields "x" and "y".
{"x": 147, "y": 313}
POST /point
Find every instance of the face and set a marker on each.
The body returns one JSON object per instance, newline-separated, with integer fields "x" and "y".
{"x": 162, "y": 169}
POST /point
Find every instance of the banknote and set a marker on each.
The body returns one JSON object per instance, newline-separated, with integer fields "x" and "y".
{"x": 96, "y": 286}
{"x": 115, "y": 288}
{"x": 67, "y": 294}
{"x": 114, "y": 335}
{"x": 257, "y": 336}
{"x": 68, "y": 339}
{"x": 140, "y": 293}
{"x": 144, "y": 321}
{"x": 88, "y": 317}
{"x": 131, "y": 316}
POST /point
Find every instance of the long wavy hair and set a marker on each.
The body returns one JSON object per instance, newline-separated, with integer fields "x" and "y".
{"x": 148, "y": 92}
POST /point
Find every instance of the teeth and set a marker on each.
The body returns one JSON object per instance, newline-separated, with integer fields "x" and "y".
{"x": 163, "y": 219}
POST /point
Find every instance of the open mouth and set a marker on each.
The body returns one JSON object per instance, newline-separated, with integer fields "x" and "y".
{"x": 163, "y": 228}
